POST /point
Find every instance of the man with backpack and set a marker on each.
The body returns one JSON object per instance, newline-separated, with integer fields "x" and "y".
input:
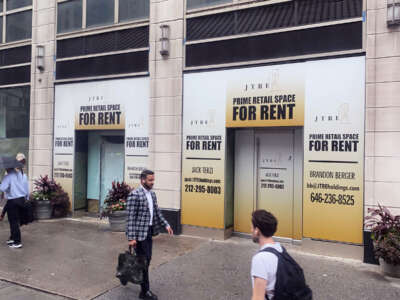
{"x": 275, "y": 274}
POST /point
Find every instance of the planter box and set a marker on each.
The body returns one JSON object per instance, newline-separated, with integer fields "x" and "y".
{"x": 43, "y": 210}
{"x": 388, "y": 269}
{"x": 118, "y": 220}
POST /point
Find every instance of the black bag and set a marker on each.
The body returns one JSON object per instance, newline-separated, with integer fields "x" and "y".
{"x": 131, "y": 267}
{"x": 26, "y": 213}
{"x": 290, "y": 282}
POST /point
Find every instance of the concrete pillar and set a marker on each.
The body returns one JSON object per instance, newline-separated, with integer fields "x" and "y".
{"x": 382, "y": 155}
{"x": 42, "y": 89}
{"x": 166, "y": 101}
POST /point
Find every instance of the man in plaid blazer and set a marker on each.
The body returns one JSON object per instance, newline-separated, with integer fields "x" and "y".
{"x": 145, "y": 221}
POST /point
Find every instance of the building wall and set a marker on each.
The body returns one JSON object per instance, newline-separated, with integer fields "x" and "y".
{"x": 382, "y": 162}
{"x": 42, "y": 89}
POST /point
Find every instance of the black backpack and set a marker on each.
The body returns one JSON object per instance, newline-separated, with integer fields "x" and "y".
{"x": 290, "y": 282}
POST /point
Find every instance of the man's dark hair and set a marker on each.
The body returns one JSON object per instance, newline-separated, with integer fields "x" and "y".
{"x": 265, "y": 222}
{"x": 145, "y": 173}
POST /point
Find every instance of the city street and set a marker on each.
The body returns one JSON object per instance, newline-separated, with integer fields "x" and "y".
{"x": 65, "y": 259}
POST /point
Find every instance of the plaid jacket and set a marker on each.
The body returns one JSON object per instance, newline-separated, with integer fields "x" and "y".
{"x": 139, "y": 216}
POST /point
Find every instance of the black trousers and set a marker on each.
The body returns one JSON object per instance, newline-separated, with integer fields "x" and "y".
{"x": 146, "y": 248}
{"x": 14, "y": 207}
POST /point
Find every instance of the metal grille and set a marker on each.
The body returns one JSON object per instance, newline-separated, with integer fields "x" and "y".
{"x": 15, "y": 75}
{"x": 105, "y": 42}
{"x": 281, "y": 15}
{"x": 104, "y": 65}
{"x": 284, "y": 44}
{"x": 13, "y": 56}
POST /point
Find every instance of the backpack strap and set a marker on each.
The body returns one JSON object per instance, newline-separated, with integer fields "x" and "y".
{"x": 274, "y": 251}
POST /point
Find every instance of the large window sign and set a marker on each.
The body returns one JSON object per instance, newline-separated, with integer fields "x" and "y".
{"x": 14, "y": 121}
{"x": 324, "y": 97}
{"x": 101, "y": 105}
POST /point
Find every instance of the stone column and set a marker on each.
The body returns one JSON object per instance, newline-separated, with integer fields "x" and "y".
{"x": 166, "y": 101}
{"x": 42, "y": 89}
{"x": 382, "y": 155}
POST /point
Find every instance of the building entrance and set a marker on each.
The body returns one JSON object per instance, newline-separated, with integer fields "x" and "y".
{"x": 264, "y": 177}
{"x": 99, "y": 160}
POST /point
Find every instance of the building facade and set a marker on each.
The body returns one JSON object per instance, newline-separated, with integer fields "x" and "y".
{"x": 291, "y": 106}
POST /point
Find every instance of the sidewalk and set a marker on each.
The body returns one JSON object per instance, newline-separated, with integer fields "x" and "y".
{"x": 77, "y": 260}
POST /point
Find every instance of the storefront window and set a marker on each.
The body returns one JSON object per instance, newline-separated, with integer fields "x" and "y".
{"x": 69, "y": 16}
{"x": 99, "y": 12}
{"x": 14, "y": 4}
{"x": 14, "y": 121}
{"x": 202, "y": 3}
{"x": 19, "y": 26}
{"x": 133, "y": 9}
{"x": 17, "y": 20}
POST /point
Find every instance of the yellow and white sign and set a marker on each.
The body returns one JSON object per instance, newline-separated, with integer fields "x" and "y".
{"x": 121, "y": 104}
{"x": 275, "y": 98}
{"x": 334, "y": 150}
{"x": 326, "y": 97}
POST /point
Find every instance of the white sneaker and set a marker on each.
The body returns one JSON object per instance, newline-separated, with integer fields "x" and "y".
{"x": 10, "y": 242}
{"x": 16, "y": 246}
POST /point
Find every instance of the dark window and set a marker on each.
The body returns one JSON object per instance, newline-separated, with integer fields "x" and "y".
{"x": 99, "y": 12}
{"x": 19, "y": 26}
{"x": 105, "y": 42}
{"x": 104, "y": 65}
{"x": 268, "y": 17}
{"x": 13, "y": 4}
{"x": 69, "y": 16}
{"x": 133, "y": 9}
{"x": 15, "y": 75}
{"x": 14, "y": 112}
{"x": 284, "y": 44}
{"x": 17, "y": 55}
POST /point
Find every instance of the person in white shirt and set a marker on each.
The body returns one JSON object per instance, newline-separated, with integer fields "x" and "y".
{"x": 264, "y": 265}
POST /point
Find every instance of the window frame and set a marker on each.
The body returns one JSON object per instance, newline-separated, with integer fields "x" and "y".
{"x": 99, "y": 27}
{"x": 4, "y": 13}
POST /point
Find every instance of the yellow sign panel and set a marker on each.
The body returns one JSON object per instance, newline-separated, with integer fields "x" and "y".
{"x": 63, "y": 173}
{"x": 277, "y": 99}
{"x": 101, "y": 117}
{"x": 203, "y": 192}
{"x": 334, "y": 151}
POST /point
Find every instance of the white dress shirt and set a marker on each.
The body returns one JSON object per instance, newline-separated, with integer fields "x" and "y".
{"x": 150, "y": 202}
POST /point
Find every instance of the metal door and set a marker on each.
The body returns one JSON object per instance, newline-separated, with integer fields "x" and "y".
{"x": 274, "y": 170}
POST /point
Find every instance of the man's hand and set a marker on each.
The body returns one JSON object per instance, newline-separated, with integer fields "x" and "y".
{"x": 170, "y": 231}
{"x": 1, "y": 218}
{"x": 132, "y": 243}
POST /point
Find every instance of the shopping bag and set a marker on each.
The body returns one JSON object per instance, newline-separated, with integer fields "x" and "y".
{"x": 131, "y": 267}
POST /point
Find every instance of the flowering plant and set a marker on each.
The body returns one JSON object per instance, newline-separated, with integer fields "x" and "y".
{"x": 47, "y": 189}
{"x": 116, "y": 198}
{"x": 385, "y": 229}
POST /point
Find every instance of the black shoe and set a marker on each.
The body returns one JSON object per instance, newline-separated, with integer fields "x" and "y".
{"x": 147, "y": 296}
